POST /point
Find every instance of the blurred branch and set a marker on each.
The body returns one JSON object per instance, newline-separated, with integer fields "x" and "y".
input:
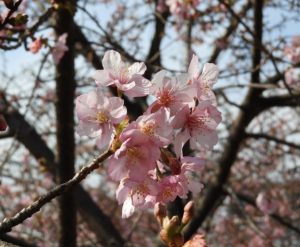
{"x": 153, "y": 56}
{"x": 276, "y": 217}
{"x": 25, "y": 213}
{"x": 12, "y": 10}
{"x": 236, "y": 135}
{"x": 229, "y": 31}
{"x": 13, "y": 240}
{"x": 272, "y": 138}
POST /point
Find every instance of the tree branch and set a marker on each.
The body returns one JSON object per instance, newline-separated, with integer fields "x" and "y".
{"x": 25, "y": 213}
{"x": 237, "y": 133}
{"x": 92, "y": 214}
{"x": 272, "y": 138}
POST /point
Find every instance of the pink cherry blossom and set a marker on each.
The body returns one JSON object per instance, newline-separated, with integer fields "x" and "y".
{"x": 126, "y": 78}
{"x": 292, "y": 51}
{"x": 191, "y": 165}
{"x": 205, "y": 80}
{"x": 136, "y": 193}
{"x": 183, "y": 9}
{"x": 97, "y": 116}
{"x": 60, "y": 48}
{"x": 265, "y": 203}
{"x": 133, "y": 159}
{"x": 169, "y": 188}
{"x": 292, "y": 78}
{"x": 155, "y": 127}
{"x": 173, "y": 93}
{"x": 36, "y": 45}
{"x": 199, "y": 126}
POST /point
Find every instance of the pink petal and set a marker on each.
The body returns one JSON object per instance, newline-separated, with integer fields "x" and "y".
{"x": 102, "y": 78}
{"x": 137, "y": 68}
{"x": 193, "y": 70}
{"x": 112, "y": 60}
{"x": 210, "y": 73}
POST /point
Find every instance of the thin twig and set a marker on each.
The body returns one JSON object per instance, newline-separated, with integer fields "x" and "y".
{"x": 8, "y": 223}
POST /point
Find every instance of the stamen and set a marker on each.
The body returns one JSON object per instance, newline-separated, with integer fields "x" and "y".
{"x": 148, "y": 128}
{"x": 102, "y": 117}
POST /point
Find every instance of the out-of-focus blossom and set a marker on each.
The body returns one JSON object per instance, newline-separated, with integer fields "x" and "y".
{"x": 183, "y": 9}
{"x": 97, "y": 116}
{"x": 266, "y": 204}
{"x": 36, "y": 45}
{"x": 59, "y": 49}
{"x": 292, "y": 77}
{"x": 292, "y": 51}
{"x": 257, "y": 241}
{"x": 127, "y": 79}
{"x": 196, "y": 241}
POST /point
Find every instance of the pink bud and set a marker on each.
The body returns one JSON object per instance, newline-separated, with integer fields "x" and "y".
{"x": 188, "y": 212}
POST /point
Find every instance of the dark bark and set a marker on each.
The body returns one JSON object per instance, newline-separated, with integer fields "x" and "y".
{"x": 65, "y": 93}
{"x": 249, "y": 110}
{"x": 16, "y": 241}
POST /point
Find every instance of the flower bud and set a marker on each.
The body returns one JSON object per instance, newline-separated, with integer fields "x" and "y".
{"x": 160, "y": 212}
{"x": 188, "y": 212}
{"x": 174, "y": 223}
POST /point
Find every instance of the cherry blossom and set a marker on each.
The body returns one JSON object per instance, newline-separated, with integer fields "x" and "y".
{"x": 183, "y": 9}
{"x": 136, "y": 193}
{"x": 60, "y": 48}
{"x": 292, "y": 77}
{"x": 97, "y": 116}
{"x": 127, "y": 79}
{"x": 292, "y": 52}
{"x": 155, "y": 127}
{"x": 172, "y": 93}
{"x": 198, "y": 125}
{"x": 265, "y": 203}
{"x": 36, "y": 45}
{"x": 205, "y": 80}
{"x": 148, "y": 161}
{"x": 133, "y": 159}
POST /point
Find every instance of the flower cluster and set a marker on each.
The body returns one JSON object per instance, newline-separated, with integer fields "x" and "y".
{"x": 60, "y": 47}
{"x": 148, "y": 161}
{"x": 182, "y": 9}
{"x": 292, "y": 53}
